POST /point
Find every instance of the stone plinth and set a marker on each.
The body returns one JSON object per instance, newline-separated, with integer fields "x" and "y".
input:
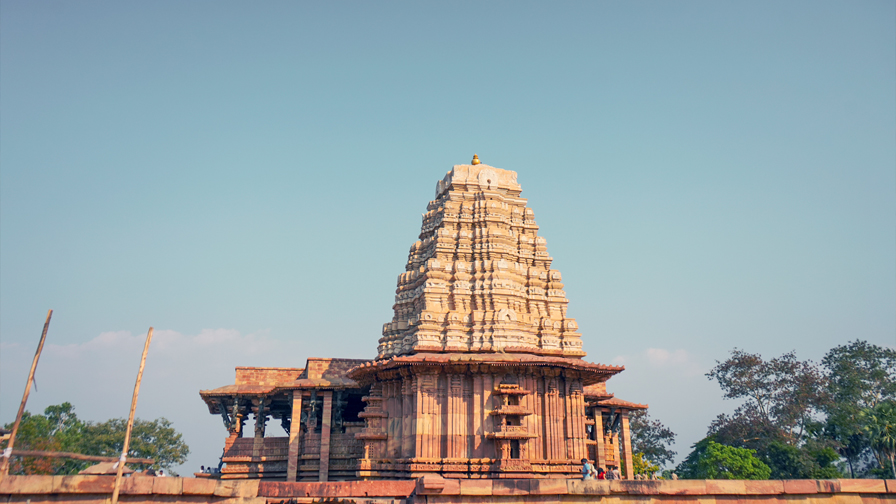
{"x": 435, "y": 490}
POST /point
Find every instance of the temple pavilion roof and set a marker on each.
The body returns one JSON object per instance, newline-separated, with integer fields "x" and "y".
{"x": 594, "y": 372}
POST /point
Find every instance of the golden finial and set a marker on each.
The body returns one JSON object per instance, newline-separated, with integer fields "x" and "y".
{"x": 475, "y": 159}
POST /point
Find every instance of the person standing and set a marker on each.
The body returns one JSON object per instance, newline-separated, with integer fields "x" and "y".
{"x": 587, "y": 470}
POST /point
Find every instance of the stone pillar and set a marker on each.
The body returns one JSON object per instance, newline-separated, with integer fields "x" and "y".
{"x": 408, "y": 422}
{"x": 238, "y": 419}
{"x": 477, "y": 429}
{"x": 627, "y": 447}
{"x": 456, "y": 420}
{"x": 295, "y": 435}
{"x": 599, "y": 437}
{"x": 326, "y": 421}
{"x": 419, "y": 421}
{"x": 260, "y": 420}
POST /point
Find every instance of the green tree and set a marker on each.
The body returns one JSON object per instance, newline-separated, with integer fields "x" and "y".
{"x": 782, "y": 394}
{"x": 642, "y": 465}
{"x": 813, "y": 460}
{"x": 783, "y": 399}
{"x": 60, "y": 429}
{"x": 156, "y": 440}
{"x": 859, "y": 376}
{"x": 879, "y": 424}
{"x": 651, "y": 438}
{"x": 711, "y": 460}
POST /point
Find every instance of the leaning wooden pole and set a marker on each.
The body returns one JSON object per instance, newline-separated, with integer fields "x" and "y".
{"x": 7, "y": 453}
{"x": 127, "y": 433}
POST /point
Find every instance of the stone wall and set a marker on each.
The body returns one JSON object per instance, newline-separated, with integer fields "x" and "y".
{"x": 266, "y": 375}
{"x": 436, "y": 490}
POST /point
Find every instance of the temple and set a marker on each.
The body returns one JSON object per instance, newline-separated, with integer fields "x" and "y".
{"x": 479, "y": 374}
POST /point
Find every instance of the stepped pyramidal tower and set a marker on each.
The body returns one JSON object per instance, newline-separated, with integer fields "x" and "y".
{"x": 479, "y": 374}
{"x": 479, "y": 279}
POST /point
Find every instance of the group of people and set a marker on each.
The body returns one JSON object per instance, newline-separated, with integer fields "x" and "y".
{"x": 209, "y": 470}
{"x": 589, "y": 471}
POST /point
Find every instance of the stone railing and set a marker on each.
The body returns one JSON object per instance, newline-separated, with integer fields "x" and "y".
{"x": 436, "y": 490}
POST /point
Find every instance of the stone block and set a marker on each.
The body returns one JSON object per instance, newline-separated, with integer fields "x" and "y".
{"x": 548, "y": 486}
{"x": 137, "y": 485}
{"x": 642, "y": 487}
{"x": 726, "y": 487}
{"x": 764, "y": 487}
{"x": 863, "y": 486}
{"x": 800, "y": 487}
{"x": 587, "y": 487}
{"x": 26, "y": 485}
{"x": 167, "y": 486}
{"x": 277, "y": 489}
{"x": 84, "y": 484}
{"x": 244, "y": 488}
{"x": 396, "y": 488}
{"x": 476, "y": 487}
{"x": 627, "y": 486}
{"x": 430, "y": 484}
{"x": 510, "y": 487}
{"x": 828, "y": 486}
{"x": 321, "y": 489}
{"x": 682, "y": 487}
{"x": 891, "y": 485}
{"x": 197, "y": 486}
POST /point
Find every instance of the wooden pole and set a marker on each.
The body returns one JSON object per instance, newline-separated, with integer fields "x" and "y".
{"x": 127, "y": 434}
{"x": 4, "y": 461}
{"x": 77, "y": 456}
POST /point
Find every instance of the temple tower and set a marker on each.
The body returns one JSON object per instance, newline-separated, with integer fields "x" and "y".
{"x": 479, "y": 279}
{"x": 480, "y": 371}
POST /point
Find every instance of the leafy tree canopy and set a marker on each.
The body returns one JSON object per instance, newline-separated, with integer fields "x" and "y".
{"x": 782, "y": 394}
{"x": 879, "y": 423}
{"x": 711, "y": 460}
{"x": 859, "y": 376}
{"x": 642, "y": 465}
{"x": 651, "y": 439}
{"x": 60, "y": 429}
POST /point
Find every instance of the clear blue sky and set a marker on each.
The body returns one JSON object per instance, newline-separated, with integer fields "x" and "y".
{"x": 248, "y": 179}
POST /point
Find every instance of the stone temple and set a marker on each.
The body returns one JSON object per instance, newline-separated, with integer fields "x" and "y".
{"x": 479, "y": 374}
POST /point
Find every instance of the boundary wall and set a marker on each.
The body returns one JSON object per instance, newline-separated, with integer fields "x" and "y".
{"x": 437, "y": 490}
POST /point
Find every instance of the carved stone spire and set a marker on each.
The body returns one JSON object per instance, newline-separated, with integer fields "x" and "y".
{"x": 479, "y": 279}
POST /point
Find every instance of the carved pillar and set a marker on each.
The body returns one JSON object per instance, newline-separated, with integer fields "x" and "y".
{"x": 477, "y": 432}
{"x": 466, "y": 418}
{"x": 393, "y": 401}
{"x": 239, "y": 417}
{"x": 576, "y": 399}
{"x": 295, "y": 436}
{"x": 455, "y": 419}
{"x": 569, "y": 427}
{"x": 261, "y": 418}
{"x": 614, "y": 438}
{"x": 419, "y": 421}
{"x": 408, "y": 421}
{"x": 599, "y": 437}
{"x": 627, "y": 447}
{"x": 326, "y": 421}
{"x": 555, "y": 417}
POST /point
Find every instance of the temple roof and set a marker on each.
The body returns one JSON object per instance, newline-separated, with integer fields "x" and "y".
{"x": 318, "y": 373}
{"x": 596, "y": 372}
{"x": 479, "y": 278}
{"x": 619, "y": 403}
